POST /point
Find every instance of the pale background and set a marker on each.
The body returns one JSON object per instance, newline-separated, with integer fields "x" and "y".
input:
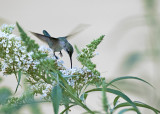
{"x": 121, "y": 21}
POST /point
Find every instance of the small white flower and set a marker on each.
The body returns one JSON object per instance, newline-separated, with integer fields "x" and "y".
{"x": 7, "y": 56}
{"x": 53, "y": 83}
{"x": 44, "y": 91}
{"x": 34, "y": 67}
{"x": 23, "y": 49}
{"x": 36, "y": 62}
{"x": 89, "y": 76}
{"x": 9, "y": 42}
{"x": 7, "y": 50}
{"x": 18, "y": 38}
{"x": 15, "y": 49}
{"x": 61, "y": 61}
{"x": 30, "y": 58}
{"x": 4, "y": 45}
{"x": 16, "y": 58}
{"x": 25, "y": 68}
{"x": 2, "y": 34}
{"x": 18, "y": 45}
{"x": 28, "y": 66}
{"x": 21, "y": 58}
{"x": 77, "y": 77}
{"x": 4, "y": 26}
{"x": 30, "y": 54}
{"x": 29, "y": 62}
{"x": 4, "y": 66}
{"x": 44, "y": 94}
{"x": 68, "y": 82}
{"x": 11, "y": 36}
{"x": 9, "y": 45}
{"x": 48, "y": 86}
{"x": 72, "y": 82}
{"x": 3, "y": 41}
{"x": 99, "y": 77}
{"x": 10, "y": 61}
{"x": 24, "y": 61}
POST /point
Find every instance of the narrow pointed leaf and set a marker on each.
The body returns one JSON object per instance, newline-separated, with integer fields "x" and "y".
{"x": 115, "y": 100}
{"x": 116, "y": 92}
{"x": 69, "y": 88}
{"x": 67, "y": 108}
{"x": 56, "y": 96}
{"x": 127, "y": 77}
{"x": 139, "y": 104}
{"x": 5, "y": 93}
{"x": 83, "y": 96}
{"x": 19, "y": 79}
{"x": 71, "y": 92}
{"x": 126, "y": 110}
{"x": 0, "y": 79}
{"x": 30, "y": 44}
{"x": 104, "y": 98}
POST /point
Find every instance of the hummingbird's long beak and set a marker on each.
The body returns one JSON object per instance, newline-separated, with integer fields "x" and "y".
{"x": 71, "y": 61}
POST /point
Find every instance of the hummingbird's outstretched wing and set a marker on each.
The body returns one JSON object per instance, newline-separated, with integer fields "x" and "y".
{"x": 44, "y": 38}
{"x": 77, "y": 29}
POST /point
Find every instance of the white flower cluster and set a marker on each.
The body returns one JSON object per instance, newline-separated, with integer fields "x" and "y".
{"x": 75, "y": 70}
{"x": 46, "y": 91}
{"x": 7, "y": 28}
{"x": 76, "y": 74}
{"x": 43, "y": 87}
{"x": 14, "y": 54}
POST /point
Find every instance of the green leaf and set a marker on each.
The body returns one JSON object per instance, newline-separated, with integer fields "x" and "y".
{"x": 66, "y": 109}
{"x": 0, "y": 79}
{"x": 116, "y": 92}
{"x": 19, "y": 79}
{"x": 69, "y": 88}
{"x": 83, "y": 96}
{"x": 35, "y": 109}
{"x": 104, "y": 98}
{"x": 127, "y": 77}
{"x": 56, "y": 96}
{"x": 126, "y": 110}
{"x": 30, "y": 44}
{"x": 77, "y": 50}
{"x": 115, "y": 100}
{"x": 5, "y": 93}
{"x": 72, "y": 94}
{"x": 139, "y": 104}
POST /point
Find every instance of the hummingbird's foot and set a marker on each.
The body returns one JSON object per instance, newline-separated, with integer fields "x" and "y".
{"x": 60, "y": 53}
{"x": 55, "y": 55}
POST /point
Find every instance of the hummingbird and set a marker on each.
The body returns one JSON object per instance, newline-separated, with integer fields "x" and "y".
{"x": 57, "y": 44}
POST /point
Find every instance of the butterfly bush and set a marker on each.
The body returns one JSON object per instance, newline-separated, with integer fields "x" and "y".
{"x": 40, "y": 72}
{"x": 13, "y": 53}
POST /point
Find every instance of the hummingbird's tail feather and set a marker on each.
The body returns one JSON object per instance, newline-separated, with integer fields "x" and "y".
{"x": 77, "y": 30}
{"x": 46, "y": 33}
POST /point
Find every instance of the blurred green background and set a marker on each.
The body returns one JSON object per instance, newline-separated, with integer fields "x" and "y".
{"x": 131, "y": 46}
